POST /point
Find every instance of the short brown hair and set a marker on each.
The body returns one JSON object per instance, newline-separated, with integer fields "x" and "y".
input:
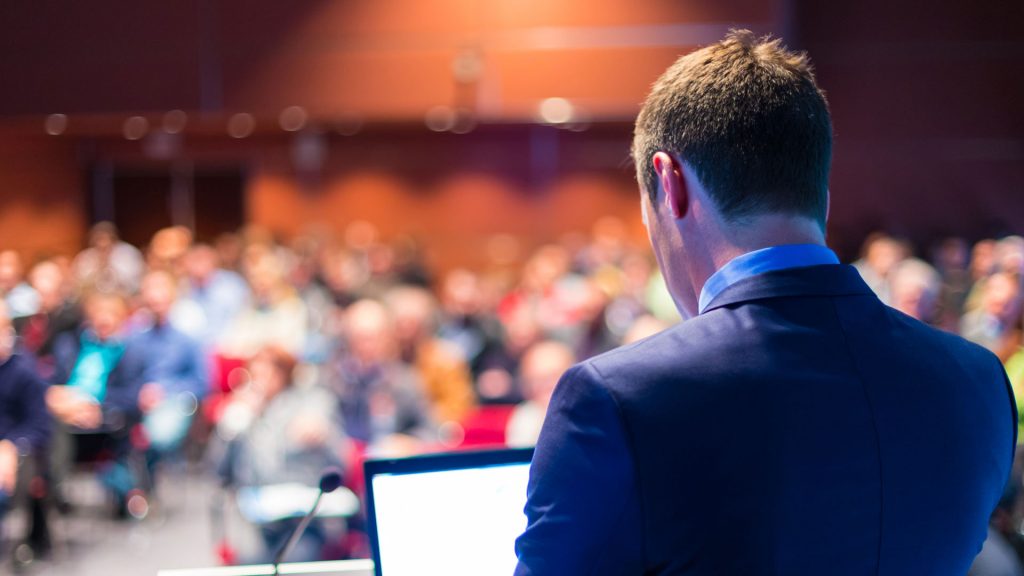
{"x": 748, "y": 117}
{"x": 281, "y": 359}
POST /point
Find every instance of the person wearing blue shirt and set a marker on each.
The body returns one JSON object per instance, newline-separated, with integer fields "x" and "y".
{"x": 792, "y": 424}
{"x": 175, "y": 373}
{"x": 212, "y": 296}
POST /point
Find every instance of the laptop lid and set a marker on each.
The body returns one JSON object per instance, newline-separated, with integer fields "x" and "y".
{"x": 454, "y": 514}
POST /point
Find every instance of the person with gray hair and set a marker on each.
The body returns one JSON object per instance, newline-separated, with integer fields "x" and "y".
{"x": 380, "y": 397}
{"x": 915, "y": 286}
{"x": 447, "y": 382}
{"x": 539, "y": 371}
{"x": 22, "y": 300}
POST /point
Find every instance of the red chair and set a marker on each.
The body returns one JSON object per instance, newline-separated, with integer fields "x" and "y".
{"x": 225, "y": 374}
{"x": 485, "y": 426}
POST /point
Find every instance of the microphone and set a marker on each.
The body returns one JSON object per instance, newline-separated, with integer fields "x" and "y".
{"x": 330, "y": 481}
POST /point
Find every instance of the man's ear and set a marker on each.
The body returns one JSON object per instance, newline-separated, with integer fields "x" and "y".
{"x": 670, "y": 177}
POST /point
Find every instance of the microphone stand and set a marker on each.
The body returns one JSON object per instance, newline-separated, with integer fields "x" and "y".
{"x": 329, "y": 482}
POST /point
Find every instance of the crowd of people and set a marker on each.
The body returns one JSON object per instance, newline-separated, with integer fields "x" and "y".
{"x": 267, "y": 361}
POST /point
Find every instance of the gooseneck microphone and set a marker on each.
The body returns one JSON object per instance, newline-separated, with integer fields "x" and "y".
{"x": 330, "y": 481}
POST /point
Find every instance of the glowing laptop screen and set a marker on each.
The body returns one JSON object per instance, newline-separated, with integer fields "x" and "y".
{"x": 457, "y": 522}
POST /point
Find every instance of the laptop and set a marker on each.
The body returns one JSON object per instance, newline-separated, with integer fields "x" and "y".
{"x": 454, "y": 514}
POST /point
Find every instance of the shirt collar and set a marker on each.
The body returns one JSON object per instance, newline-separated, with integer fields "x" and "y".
{"x": 769, "y": 259}
{"x": 89, "y": 336}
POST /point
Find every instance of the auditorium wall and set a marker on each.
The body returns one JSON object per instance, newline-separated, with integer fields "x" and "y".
{"x": 42, "y": 211}
{"x": 926, "y": 103}
{"x": 456, "y": 193}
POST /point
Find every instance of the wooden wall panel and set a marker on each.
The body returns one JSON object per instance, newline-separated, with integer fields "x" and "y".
{"x": 389, "y": 59}
{"x": 451, "y": 201}
{"x": 926, "y": 105}
{"x": 41, "y": 204}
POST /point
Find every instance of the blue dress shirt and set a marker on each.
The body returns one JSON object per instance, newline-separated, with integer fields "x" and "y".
{"x": 173, "y": 359}
{"x": 769, "y": 259}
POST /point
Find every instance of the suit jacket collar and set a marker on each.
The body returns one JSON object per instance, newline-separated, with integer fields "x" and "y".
{"x": 827, "y": 280}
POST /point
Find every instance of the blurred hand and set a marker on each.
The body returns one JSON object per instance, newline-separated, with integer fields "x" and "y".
{"x": 57, "y": 399}
{"x": 151, "y": 395}
{"x": 61, "y": 400}
{"x": 308, "y": 431}
{"x": 86, "y": 415}
{"x": 8, "y": 466}
{"x": 73, "y": 408}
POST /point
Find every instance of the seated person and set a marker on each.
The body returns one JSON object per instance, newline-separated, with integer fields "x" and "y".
{"x": 58, "y": 312}
{"x": 24, "y": 423}
{"x": 993, "y": 323}
{"x": 447, "y": 382}
{"x": 21, "y": 299}
{"x": 94, "y": 399}
{"x": 915, "y": 288}
{"x": 109, "y": 263}
{"x": 211, "y": 297}
{"x": 174, "y": 374}
{"x": 465, "y": 322}
{"x": 275, "y": 315}
{"x": 499, "y": 378}
{"x": 542, "y": 366}
{"x": 278, "y": 434}
{"x": 382, "y": 403}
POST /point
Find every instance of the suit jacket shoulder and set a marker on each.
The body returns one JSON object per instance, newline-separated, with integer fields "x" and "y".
{"x": 798, "y": 426}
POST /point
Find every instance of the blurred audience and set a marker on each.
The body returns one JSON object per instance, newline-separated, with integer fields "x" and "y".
{"x": 915, "y": 289}
{"x": 994, "y": 323}
{"x": 466, "y": 322}
{"x": 382, "y": 400}
{"x": 174, "y": 372}
{"x": 952, "y": 258}
{"x": 211, "y": 296}
{"x": 644, "y": 327}
{"x": 108, "y": 264}
{"x": 881, "y": 253}
{"x": 22, "y": 300}
{"x": 58, "y": 313}
{"x": 24, "y": 423}
{"x": 95, "y": 382}
{"x": 289, "y": 357}
{"x": 542, "y": 367}
{"x": 94, "y": 398}
{"x": 442, "y": 370}
{"x": 279, "y": 433}
{"x": 1002, "y": 553}
{"x": 275, "y": 315}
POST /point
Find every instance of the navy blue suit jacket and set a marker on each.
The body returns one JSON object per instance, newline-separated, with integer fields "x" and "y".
{"x": 797, "y": 427}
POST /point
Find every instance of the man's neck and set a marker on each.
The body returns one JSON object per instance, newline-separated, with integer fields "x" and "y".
{"x": 765, "y": 232}
{"x": 740, "y": 237}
